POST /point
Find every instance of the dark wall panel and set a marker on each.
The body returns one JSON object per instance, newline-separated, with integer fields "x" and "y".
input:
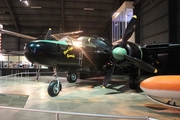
{"x": 154, "y": 21}
{"x": 178, "y": 22}
{"x": 9, "y": 43}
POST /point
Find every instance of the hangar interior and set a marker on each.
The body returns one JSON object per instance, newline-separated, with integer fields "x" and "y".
{"x": 65, "y": 16}
{"x": 157, "y": 22}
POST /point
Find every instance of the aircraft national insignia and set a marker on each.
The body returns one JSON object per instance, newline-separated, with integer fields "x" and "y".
{"x": 69, "y": 49}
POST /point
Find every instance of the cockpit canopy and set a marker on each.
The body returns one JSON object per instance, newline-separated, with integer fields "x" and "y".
{"x": 82, "y": 41}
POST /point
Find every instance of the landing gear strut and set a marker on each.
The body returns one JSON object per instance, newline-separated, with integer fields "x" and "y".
{"x": 171, "y": 102}
{"x": 133, "y": 78}
{"x": 55, "y": 86}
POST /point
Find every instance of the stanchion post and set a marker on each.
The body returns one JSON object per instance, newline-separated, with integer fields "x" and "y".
{"x": 57, "y": 116}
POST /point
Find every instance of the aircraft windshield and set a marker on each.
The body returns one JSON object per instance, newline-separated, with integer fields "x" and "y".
{"x": 81, "y": 41}
{"x": 66, "y": 40}
{"x": 86, "y": 41}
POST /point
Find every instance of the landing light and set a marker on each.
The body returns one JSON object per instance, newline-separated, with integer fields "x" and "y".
{"x": 31, "y": 45}
{"x": 37, "y": 45}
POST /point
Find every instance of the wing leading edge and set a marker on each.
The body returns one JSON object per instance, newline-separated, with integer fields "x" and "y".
{"x": 160, "y": 48}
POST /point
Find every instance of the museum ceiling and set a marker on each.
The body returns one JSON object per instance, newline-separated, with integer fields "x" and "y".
{"x": 90, "y": 16}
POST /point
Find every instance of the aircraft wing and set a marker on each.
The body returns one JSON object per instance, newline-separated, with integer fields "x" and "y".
{"x": 160, "y": 48}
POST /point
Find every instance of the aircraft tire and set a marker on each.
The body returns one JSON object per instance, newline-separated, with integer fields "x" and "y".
{"x": 52, "y": 88}
{"x": 71, "y": 77}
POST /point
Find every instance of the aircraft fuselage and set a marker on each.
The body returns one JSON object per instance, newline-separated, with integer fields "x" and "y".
{"x": 66, "y": 57}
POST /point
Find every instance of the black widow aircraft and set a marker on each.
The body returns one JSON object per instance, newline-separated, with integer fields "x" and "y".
{"x": 87, "y": 55}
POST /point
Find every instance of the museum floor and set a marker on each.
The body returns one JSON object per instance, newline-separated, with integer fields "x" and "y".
{"x": 84, "y": 96}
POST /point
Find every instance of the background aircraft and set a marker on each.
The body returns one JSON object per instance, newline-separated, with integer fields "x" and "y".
{"x": 165, "y": 86}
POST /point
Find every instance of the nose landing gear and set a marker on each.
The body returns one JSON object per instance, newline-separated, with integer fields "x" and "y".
{"x": 55, "y": 86}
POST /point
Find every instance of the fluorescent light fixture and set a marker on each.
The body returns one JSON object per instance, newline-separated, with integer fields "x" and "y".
{"x": 25, "y": 2}
{"x": 36, "y": 7}
{"x": 88, "y": 8}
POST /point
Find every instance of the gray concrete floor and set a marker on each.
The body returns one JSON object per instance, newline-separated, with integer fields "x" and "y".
{"x": 84, "y": 96}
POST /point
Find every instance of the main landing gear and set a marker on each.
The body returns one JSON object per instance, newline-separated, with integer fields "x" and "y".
{"x": 72, "y": 77}
{"x": 133, "y": 78}
{"x": 55, "y": 86}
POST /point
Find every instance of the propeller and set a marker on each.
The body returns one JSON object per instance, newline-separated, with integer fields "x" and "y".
{"x": 109, "y": 74}
{"x": 119, "y": 53}
{"x": 48, "y": 34}
{"x": 130, "y": 29}
{"x": 141, "y": 64}
{"x": 15, "y": 34}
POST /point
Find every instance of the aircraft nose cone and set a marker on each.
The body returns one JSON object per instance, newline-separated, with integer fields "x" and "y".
{"x": 33, "y": 51}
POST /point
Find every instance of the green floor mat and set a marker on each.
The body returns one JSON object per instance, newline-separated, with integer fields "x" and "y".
{"x": 13, "y": 100}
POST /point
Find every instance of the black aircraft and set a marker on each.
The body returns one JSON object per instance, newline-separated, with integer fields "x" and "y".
{"x": 86, "y": 55}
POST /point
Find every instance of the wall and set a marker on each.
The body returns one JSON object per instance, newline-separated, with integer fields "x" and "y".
{"x": 11, "y": 43}
{"x": 154, "y": 21}
{"x": 159, "y": 21}
{"x": 178, "y": 20}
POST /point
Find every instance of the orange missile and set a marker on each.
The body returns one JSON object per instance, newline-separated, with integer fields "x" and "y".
{"x": 166, "y": 86}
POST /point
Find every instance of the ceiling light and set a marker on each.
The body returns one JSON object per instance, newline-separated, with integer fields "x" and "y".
{"x": 36, "y": 7}
{"x": 88, "y": 8}
{"x": 25, "y": 2}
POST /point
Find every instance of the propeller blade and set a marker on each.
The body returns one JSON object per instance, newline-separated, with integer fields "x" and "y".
{"x": 141, "y": 64}
{"x": 48, "y": 34}
{"x": 17, "y": 34}
{"x": 101, "y": 44}
{"x": 130, "y": 29}
{"x": 109, "y": 75}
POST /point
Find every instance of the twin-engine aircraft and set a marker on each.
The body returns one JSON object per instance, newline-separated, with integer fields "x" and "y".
{"x": 86, "y": 55}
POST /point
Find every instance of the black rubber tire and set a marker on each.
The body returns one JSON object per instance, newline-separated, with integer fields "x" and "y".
{"x": 52, "y": 88}
{"x": 72, "y": 77}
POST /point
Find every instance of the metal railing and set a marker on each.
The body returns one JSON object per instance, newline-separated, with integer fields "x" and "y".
{"x": 67, "y": 113}
{"x": 79, "y": 114}
{"x": 27, "y": 73}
